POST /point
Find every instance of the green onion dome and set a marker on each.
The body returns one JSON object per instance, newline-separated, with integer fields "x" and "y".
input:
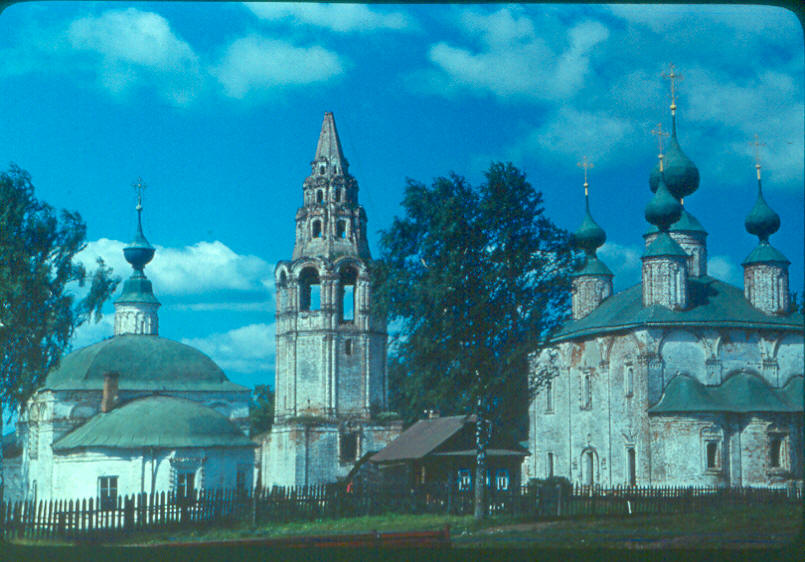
{"x": 589, "y": 236}
{"x": 139, "y": 252}
{"x": 762, "y": 221}
{"x": 680, "y": 173}
{"x": 664, "y": 209}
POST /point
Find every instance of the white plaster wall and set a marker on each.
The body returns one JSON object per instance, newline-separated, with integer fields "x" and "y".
{"x": 683, "y": 353}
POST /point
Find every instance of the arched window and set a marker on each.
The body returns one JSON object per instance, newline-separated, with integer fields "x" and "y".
{"x": 341, "y": 229}
{"x": 321, "y": 170}
{"x": 309, "y": 289}
{"x": 317, "y": 229}
{"x": 548, "y": 397}
{"x": 282, "y": 290}
{"x": 346, "y": 293}
{"x": 632, "y": 466}
{"x": 629, "y": 381}
{"x": 319, "y": 196}
{"x": 337, "y": 195}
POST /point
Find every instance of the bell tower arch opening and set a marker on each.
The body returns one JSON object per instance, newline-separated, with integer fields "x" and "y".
{"x": 309, "y": 290}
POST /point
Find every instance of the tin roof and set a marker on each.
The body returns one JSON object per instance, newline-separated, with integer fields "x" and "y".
{"x": 740, "y": 393}
{"x": 711, "y": 303}
{"x": 156, "y": 421}
{"x": 143, "y": 363}
{"x": 422, "y": 438}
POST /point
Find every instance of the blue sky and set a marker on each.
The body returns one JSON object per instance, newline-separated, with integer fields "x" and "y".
{"x": 218, "y": 108}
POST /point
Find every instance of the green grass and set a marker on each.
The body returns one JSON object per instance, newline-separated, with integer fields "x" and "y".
{"x": 733, "y": 526}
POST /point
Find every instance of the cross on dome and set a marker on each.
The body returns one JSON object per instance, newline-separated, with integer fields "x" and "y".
{"x": 673, "y": 78}
{"x": 659, "y": 133}
{"x": 586, "y": 165}
{"x": 757, "y": 144}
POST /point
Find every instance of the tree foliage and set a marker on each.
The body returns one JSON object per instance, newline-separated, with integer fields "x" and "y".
{"x": 39, "y": 273}
{"x": 474, "y": 279}
{"x": 261, "y": 409}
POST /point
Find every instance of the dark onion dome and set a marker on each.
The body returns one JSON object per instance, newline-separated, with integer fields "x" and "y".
{"x": 139, "y": 252}
{"x": 686, "y": 223}
{"x": 679, "y": 172}
{"x": 143, "y": 363}
{"x": 762, "y": 221}
{"x": 156, "y": 421}
{"x": 663, "y": 210}
{"x": 589, "y": 236}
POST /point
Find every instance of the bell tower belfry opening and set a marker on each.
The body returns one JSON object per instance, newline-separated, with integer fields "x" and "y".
{"x": 331, "y": 381}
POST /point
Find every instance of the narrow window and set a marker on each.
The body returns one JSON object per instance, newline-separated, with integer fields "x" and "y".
{"x": 341, "y": 229}
{"x": 548, "y": 397}
{"x": 107, "y": 492}
{"x": 589, "y": 478}
{"x": 629, "y": 381}
{"x": 712, "y": 455}
{"x": 632, "y": 476}
{"x": 550, "y": 465}
{"x": 346, "y": 290}
{"x": 309, "y": 290}
{"x": 587, "y": 392}
{"x": 337, "y": 195}
{"x": 348, "y": 446}
{"x": 317, "y": 229}
{"x": 282, "y": 291}
{"x": 348, "y": 347}
{"x": 321, "y": 170}
{"x": 185, "y": 485}
{"x": 319, "y": 196}
{"x": 775, "y": 452}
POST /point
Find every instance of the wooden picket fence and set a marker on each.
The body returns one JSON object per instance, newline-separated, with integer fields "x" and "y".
{"x": 85, "y": 519}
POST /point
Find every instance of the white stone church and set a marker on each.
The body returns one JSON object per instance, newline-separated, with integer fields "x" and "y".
{"x": 682, "y": 379}
{"x": 134, "y": 413}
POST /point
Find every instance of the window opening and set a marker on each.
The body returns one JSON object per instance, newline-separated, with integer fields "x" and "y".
{"x": 310, "y": 290}
{"x": 319, "y": 196}
{"x": 632, "y": 466}
{"x": 550, "y": 465}
{"x": 348, "y": 347}
{"x": 464, "y": 479}
{"x": 240, "y": 481}
{"x": 775, "y": 452}
{"x": 502, "y": 479}
{"x": 107, "y": 492}
{"x": 185, "y": 485}
{"x": 588, "y": 468}
{"x": 321, "y": 170}
{"x": 349, "y": 446}
{"x": 337, "y": 195}
{"x": 629, "y": 381}
{"x": 712, "y": 455}
{"x": 346, "y": 293}
{"x": 548, "y": 397}
{"x": 317, "y": 229}
{"x": 587, "y": 392}
{"x": 341, "y": 229}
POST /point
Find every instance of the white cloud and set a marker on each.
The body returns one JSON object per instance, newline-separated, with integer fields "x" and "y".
{"x": 93, "y": 332}
{"x": 724, "y": 268}
{"x": 248, "y": 349}
{"x": 259, "y": 63}
{"x": 204, "y": 267}
{"x": 341, "y": 18}
{"x": 514, "y": 61}
{"x": 570, "y": 133}
{"x": 136, "y": 48}
{"x": 624, "y": 261}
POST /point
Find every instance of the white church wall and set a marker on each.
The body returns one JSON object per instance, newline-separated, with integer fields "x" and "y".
{"x": 740, "y": 350}
{"x": 683, "y": 353}
{"x": 790, "y": 358}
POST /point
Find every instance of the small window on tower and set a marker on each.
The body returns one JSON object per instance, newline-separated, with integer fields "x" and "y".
{"x": 309, "y": 290}
{"x": 337, "y": 195}
{"x": 348, "y": 347}
{"x": 319, "y": 196}
{"x": 346, "y": 290}
{"x": 341, "y": 229}
{"x": 316, "y": 229}
{"x": 321, "y": 170}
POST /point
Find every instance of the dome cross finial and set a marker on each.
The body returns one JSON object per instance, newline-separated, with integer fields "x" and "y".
{"x": 586, "y": 165}
{"x": 659, "y": 133}
{"x": 673, "y": 78}
{"x": 139, "y": 186}
{"x": 757, "y": 144}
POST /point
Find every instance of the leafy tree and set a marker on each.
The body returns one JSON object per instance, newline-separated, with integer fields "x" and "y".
{"x": 261, "y": 409}
{"x": 38, "y": 273}
{"x": 475, "y": 278}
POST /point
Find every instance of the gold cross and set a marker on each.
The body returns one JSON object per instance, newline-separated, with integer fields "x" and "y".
{"x": 659, "y": 133}
{"x": 672, "y": 76}
{"x": 139, "y": 187}
{"x": 586, "y": 165}
{"x": 757, "y": 144}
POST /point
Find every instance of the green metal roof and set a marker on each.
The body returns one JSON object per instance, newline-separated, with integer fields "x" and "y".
{"x": 143, "y": 363}
{"x": 686, "y": 223}
{"x": 593, "y": 266}
{"x": 765, "y": 253}
{"x": 711, "y": 303}
{"x": 741, "y": 393}
{"x": 137, "y": 289}
{"x": 792, "y": 392}
{"x": 664, "y": 245}
{"x": 156, "y": 421}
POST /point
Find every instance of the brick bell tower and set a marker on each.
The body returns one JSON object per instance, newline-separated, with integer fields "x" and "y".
{"x": 330, "y": 383}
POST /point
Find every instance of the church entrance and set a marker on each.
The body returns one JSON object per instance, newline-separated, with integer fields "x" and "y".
{"x": 588, "y": 468}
